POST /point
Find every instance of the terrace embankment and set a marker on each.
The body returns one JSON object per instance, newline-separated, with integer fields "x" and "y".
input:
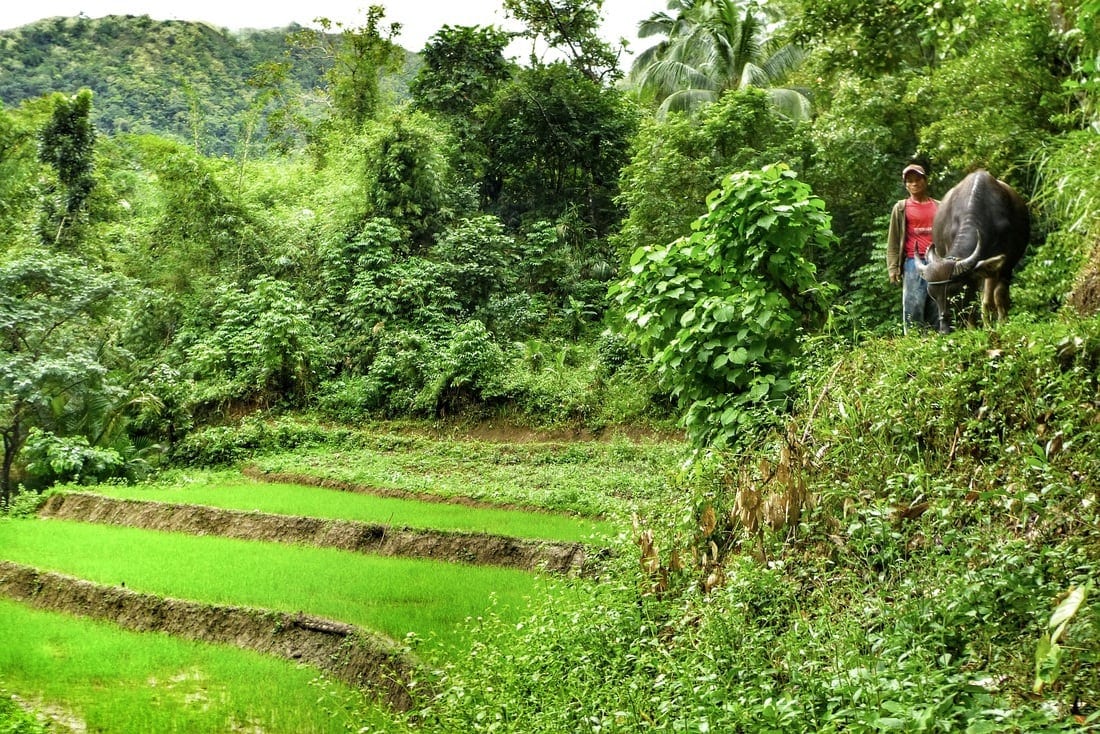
{"x": 472, "y": 548}
{"x": 346, "y": 652}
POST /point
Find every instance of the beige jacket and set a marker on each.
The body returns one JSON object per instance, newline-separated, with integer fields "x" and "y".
{"x": 895, "y": 237}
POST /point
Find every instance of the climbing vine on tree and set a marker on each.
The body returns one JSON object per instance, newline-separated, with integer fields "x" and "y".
{"x": 721, "y": 311}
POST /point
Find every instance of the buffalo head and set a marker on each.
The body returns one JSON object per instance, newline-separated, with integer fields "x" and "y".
{"x": 948, "y": 275}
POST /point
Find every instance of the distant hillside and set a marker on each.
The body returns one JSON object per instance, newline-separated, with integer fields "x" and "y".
{"x": 180, "y": 79}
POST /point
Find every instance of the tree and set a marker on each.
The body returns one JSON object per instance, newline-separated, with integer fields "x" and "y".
{"x": 199, "y": 229}
{"x": 869, "y": 37}
{"x": 988, "y": 118}
{"x": 278, "y": 107}
{"x": 677, "y": 161}
{"x": 712, "y": 46}
{"x": 557, "y": 142}
{"x": 721, "y": 310}
{"x": 408, "y": 175}
{"x": 17, "y": 172}
{"x": 570, "y": 27}
{"x": 67, "y": 144}
{"x": 48, "y": 306}
{"x": 462, "y": 67}
{"x": 360, "y": 56}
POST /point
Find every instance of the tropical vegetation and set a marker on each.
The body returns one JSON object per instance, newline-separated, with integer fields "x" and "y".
{"x": 845, "y": 528}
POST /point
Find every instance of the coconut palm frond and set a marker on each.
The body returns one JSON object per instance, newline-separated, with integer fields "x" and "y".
{"x": 658, "y": 24}
{"x": 669, "y": 76}
{"x": 782, "y": 61}
{"x": 791, "y": 103}
{"x": 712, "y": 46}
{"x": 686, "y": 100}
{"x": 647, "y": 58}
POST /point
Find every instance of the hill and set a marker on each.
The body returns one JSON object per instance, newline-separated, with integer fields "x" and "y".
{"x": 174, "y": 78}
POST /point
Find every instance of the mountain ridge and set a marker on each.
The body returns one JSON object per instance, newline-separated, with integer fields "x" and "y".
{"x": 188, "y": 80}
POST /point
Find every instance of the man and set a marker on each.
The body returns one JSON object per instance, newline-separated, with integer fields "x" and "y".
{"x": 909, "y": 238}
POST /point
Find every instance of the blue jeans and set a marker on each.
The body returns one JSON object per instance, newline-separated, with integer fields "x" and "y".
{"x": 916, "y": 307}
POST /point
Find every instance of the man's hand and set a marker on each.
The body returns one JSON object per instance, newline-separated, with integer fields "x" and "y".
{"x": 895, "y": 278}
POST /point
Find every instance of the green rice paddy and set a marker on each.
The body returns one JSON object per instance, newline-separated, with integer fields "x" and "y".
{"x": 395, "y": 596}
{"x": 103, "y": 678}
{"x": 107, "y": 679}
{"x": 232, "y": 491}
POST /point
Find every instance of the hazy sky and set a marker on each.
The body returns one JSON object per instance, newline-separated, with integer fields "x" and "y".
{"x": 419, "y": 19}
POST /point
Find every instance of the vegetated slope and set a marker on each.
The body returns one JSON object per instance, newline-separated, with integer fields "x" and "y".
{"x": 174, "y": 78}
{"x": 915, "y": 552}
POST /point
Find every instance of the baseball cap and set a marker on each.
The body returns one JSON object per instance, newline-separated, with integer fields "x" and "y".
{"x": 913, "y": 168}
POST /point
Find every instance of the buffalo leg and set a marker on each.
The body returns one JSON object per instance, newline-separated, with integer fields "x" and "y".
{"x": 994, "y": 300}
{"x": 1000, "y": 298}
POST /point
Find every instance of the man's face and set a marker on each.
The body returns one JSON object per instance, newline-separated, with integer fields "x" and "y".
{"x": 915, "y": 183}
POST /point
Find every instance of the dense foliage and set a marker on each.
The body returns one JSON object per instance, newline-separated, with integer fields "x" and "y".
{"x": 721, "y": 311}
{"x": 443, "y": 256}
{"x": 912, "y": 555}
{"x": 868, "y": 517}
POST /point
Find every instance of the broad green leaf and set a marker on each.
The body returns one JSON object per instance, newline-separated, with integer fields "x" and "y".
{"x": 1067, "y": 609}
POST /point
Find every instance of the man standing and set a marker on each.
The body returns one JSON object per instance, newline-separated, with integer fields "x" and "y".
{"x": 909, "y": 238}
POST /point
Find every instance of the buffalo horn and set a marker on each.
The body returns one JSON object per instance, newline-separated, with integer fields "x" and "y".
{"x": 962, "y": 267}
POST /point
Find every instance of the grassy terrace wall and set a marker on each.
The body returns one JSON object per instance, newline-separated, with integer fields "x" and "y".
{"x": 475, "y": 548}
{"x": 342, "y": 650}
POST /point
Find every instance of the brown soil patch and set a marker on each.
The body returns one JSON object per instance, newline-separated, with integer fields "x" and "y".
{"x": 346, "y": 652}
{"x": 472, "y": 548}
{"x": 1085, "y": 297}
{"x": 497, "y": 432}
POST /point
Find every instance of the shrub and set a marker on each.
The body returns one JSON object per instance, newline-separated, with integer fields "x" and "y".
{"x": 224, "y": 445}
{"x": 721, "y": 310}
{"x": 472, "y": 369}
{"x": 478, "y": 254}
{"x": 263, "y": 346}
{"x": 52, "y": 459}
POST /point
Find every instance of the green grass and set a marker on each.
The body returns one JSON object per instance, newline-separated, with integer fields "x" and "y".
{"x": 115, "y": 680}
{"x": 229, "y": 490}
{"x": 394, "y": 596}
{"x": 585, "y": 478}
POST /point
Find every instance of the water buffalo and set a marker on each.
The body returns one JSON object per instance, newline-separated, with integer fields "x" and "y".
{"x": 980, "y": 233}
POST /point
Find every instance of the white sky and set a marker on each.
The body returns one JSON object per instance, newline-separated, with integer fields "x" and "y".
{"x": 419, "y": 19}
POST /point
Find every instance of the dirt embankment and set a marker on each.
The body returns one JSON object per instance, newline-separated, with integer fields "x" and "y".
{"x": 472, "y": 548}
{"x": 342, "y": 650}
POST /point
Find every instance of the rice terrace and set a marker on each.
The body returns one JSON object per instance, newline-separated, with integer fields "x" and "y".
{"x": 360, "y": 582}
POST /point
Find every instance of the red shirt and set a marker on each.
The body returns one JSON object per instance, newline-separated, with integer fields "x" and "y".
{"x": 918, "y": 226}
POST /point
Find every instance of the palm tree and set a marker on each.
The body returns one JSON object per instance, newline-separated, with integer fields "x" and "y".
{"x": 710, "y": 47}
{"x": 663, "y": 24}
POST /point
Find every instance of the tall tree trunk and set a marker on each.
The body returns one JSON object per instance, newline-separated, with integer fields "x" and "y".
{"x": 5, "y": 472}
{"x": 12, "y": 442}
